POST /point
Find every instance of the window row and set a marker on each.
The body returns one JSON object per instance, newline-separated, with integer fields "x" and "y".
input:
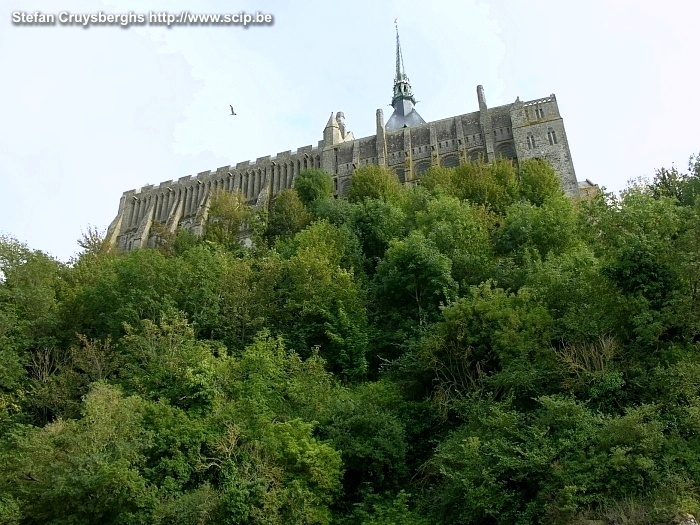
{"x": 551, "y": 136}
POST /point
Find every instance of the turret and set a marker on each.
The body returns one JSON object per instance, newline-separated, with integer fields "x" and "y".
{"x": 331, "y": 133}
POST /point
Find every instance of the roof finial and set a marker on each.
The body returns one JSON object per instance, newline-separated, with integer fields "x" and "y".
{"x": 399, "y": 57}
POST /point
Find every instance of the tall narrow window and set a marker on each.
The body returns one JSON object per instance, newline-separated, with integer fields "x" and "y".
{"x": 552, "y": 136}
{"x": 530, "y": 142}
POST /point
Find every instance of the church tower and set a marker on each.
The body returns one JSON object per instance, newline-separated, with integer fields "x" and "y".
{"x": 403, "y": 101}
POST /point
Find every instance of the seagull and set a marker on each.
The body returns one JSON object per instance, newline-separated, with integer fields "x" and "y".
{"x": 232, "y": 112}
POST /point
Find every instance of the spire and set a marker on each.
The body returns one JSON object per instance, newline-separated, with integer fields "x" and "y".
{"x": 403, "y": 100}
{"x": 402, "y": 86}
{"x": 399, "y": 57}
{"x": 332, "y": 123}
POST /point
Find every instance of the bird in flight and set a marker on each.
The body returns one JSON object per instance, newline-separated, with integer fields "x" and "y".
{"x": 232, "y": 112}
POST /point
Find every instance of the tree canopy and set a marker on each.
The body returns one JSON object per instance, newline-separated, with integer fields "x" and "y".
{"x": 477, "y": 348}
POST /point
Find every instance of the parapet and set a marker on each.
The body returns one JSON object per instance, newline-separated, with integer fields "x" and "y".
{"x": 545, "y": 100}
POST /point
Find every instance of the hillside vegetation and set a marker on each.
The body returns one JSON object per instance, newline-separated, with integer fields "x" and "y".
{"x": 477, "y": 349}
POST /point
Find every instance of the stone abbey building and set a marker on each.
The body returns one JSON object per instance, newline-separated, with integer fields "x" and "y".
{"x": 406, "y": 144}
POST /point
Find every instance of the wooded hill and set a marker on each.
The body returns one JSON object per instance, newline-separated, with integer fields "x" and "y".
{"x": 478, "y": 349}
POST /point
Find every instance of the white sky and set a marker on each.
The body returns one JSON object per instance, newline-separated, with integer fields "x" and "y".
{"x": 86, "y": 114}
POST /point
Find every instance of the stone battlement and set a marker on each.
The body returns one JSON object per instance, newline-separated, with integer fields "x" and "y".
{"x": 209, "y": 174}
{"x": 539, "y": 101}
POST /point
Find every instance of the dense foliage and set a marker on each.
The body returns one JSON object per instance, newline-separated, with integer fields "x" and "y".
{"x": 476, "y": 349}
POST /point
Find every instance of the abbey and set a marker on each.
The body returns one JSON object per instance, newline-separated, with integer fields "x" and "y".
{"x": 405, "y": 143}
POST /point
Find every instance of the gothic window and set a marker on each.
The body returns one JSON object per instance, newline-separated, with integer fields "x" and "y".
{"x": 450, "y": 161}
{"x": 506, "y": 150}
{"x": 540, "y": 112}
{"x": 530, "y": 141}
{"x": 422, "y": 167}
{"x": 552, "y": 136}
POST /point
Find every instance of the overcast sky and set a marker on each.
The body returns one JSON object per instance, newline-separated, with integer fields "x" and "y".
{"x": 86, "y": 114}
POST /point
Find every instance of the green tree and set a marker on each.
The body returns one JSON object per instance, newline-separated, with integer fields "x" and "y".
{"x": 246, "y": 300}
{"x": 411, "y": 284}
{"x": 494, "y": 184}
{"x": 31, "y": 285}
{"x": 538, "y": 181}
{"x": 165, "y": 361}
{"x": 272, "y": 469}
{"x": 338, "y": 243}
{"x": 364, "y": 427}
{"x": 288, "y": 215}
{"x": 461, "y": 231}
{"x": 376, "y": 223}
{"x": 228, "y": 218}
{"x": 312, "y": 185}
{"x": 374, "y": 182}
{"x": 322, "y": 304}
{"x": 335, "y": 211}
{"x": 684, "y": 188}
{"x": 82, "y": 471}
{"x": 124, "y": 289}
{"x": 530, "y": 230}
{"x": 489, "y": 343}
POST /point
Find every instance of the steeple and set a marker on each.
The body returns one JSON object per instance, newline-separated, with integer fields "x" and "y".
{"x": 403, "y": 101}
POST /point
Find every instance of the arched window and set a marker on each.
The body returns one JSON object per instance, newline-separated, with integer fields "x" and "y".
{"x": 506, "y": 151}
{"x": 422, "y": 167}
{"x": 449, "y": 161}
{"x": 552, "y": 136}
{"x": 530, "y": 141}
{"x": 475, "y": 155}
